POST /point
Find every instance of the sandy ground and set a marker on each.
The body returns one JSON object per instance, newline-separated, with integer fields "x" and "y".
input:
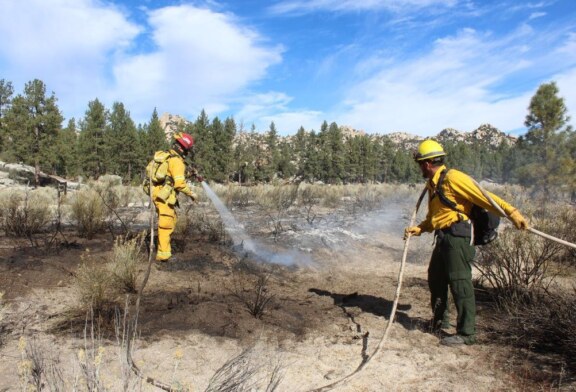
{"x": 323, "y": 320}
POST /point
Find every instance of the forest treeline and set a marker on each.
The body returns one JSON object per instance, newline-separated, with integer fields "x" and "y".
{"x": 107, "y": 141}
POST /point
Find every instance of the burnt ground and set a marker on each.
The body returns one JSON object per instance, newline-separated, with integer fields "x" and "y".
{"x": 324, "y": 315}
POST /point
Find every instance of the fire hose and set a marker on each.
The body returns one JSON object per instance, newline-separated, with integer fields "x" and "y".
{"x": 363, "y": 364}
{"x": 530, "y": 229}
{"x": 367, "y": 359}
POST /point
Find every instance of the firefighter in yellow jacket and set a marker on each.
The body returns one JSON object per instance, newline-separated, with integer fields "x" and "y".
{"x": 165, "y": 194}
{"x": 450, "y": 265}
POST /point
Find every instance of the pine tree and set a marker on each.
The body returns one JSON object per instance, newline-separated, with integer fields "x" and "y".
{"x": 272, "y": 153}
{"x": 545, "y": 144}
{"x": 155, "y": 139}
{"x": 67, "y": 164}
{"x": 91, "y": 140}
{"x": 34, "y": 121}
{"x": 204, "y": 146}
{"x": 6, "y": 91}
{"x": 121, "y": 143}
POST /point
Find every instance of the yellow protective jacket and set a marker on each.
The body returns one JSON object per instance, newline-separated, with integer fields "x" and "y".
{"x": 175, "y": 179}
{"x": 460, "y": 188}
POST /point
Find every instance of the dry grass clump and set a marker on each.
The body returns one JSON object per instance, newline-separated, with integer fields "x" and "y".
{"x": 332, "y": 195}
{"x": 23, "y": 214}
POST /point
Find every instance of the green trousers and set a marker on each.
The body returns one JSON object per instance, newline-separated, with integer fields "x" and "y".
{"x": 451, "y": 267}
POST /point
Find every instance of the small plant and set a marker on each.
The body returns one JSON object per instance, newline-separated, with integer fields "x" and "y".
{"x": 37, "y": 368}
{"x": 256, "y": 297}
{"x": 95, "y": 287}
{"x": 309, "y": 198}
{"x": 248, "y": 371}
{"x": 127, "y": 258}
{"x": 90, "y": 357}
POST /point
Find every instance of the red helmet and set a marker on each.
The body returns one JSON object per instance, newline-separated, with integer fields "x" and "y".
{"x": 185, "y": 140}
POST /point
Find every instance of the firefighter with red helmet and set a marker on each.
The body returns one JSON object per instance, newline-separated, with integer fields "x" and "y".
{"x": 165, "y": 194}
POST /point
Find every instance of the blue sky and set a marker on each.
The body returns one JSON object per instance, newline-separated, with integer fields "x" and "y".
{"x": 381, "y": 66}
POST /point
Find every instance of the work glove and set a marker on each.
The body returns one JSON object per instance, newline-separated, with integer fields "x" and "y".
{"x": 412, "y": 231}
{"x": 518, "y": 220}
{"x": 193, "y": 196}
{"x": 199, "y": 178}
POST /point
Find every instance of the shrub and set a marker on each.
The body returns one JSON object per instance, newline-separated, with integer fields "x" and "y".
{"x": 127, "y": 257}
{"x": 239, "y": 196}
{"x": 252, "y": 289}
{"x": 23, "y": 215}
{"x": 275, "y": 203}
{"x": 309, "y": 197}
{"x": 546, "y": 324}
{"x": 95, "y": 287}
{"x": 332, "y": 196}
{"x": 89, "y": 212}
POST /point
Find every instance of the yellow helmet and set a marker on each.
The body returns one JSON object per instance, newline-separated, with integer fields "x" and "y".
{"x": 429, "y": 149}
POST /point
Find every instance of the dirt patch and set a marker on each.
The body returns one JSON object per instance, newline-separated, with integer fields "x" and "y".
{"x": 322, "y": 319}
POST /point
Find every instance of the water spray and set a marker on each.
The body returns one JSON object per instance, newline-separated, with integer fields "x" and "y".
{"x": 246, "y": 245}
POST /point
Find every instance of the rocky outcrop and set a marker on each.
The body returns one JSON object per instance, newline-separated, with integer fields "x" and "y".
{"x": 19, "y": 174}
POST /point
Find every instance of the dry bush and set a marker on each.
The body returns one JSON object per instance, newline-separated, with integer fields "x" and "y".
{"x": 545, "y": 324}
{"x": 365, "y": 197}
{"x": 3, "y": 312}
{"x": 239, "y": 196}
{"x": 275, "y": 203}
{"x": 24, "y": 214}
{"x": 561, "y": 225}
{"x": 517, "y": 263}
{"x": 94, "y": 285}
{"x": 127, "y": 259}
{"x": 523, "y": 272}
{"x": 332, "y": 196}
{"x": 89, "y": 212}
{"x": 39, "y": 368}
{"x": 251, "y": 370}
{"x": 201, "y": 220}
{"x": 251, "y": 287}
{"x": 309, "y": 197}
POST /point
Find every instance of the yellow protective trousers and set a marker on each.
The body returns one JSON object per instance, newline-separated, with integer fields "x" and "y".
{"x": 166, "y": 225}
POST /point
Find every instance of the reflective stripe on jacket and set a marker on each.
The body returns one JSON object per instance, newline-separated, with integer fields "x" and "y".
{"x": 177, "y": 171}
{"x": 460, "y": 188}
